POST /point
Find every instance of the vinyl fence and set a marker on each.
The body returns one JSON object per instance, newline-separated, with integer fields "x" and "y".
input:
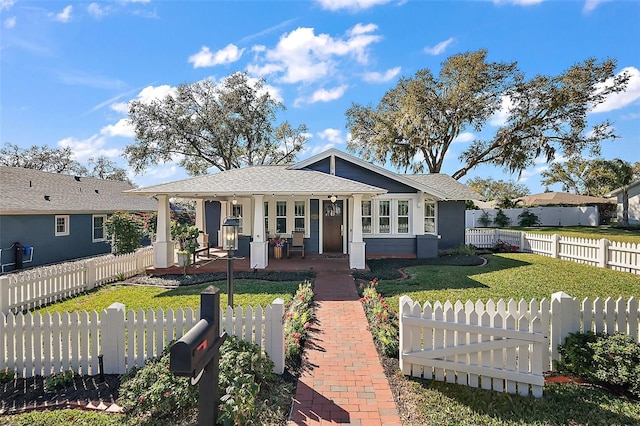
{"x": 624, "y": 257}
{"x": 35, "y": 344}
{"x": 504, "y": 345}
{"x": 547, "y": 216}
{"x": 47, "y": 284}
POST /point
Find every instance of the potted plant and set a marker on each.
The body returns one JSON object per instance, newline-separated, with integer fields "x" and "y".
{"x": 186, "y": 236}
{"x": 278, "y": 243}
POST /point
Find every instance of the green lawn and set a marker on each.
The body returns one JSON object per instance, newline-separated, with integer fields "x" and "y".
{"x": 510, "y": 275}
{"x": 245, "y": 293}
{"x": 612, "y": 234}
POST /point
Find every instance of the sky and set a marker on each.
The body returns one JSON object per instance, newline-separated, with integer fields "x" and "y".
{"x": 68, "y": 69}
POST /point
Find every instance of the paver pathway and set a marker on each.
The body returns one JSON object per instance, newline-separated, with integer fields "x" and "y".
{"x": 343, "y": 382}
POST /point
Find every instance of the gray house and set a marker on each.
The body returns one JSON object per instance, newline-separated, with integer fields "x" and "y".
{"x": 342, "y": 205}
{"x": 52, "y": 217}
{"x": 633, "y": 194}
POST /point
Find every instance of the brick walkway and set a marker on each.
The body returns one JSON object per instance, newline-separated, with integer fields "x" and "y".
{"x": 343, "y": 381}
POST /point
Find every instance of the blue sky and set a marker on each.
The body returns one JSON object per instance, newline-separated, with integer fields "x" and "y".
{"x": 69, "y": 68}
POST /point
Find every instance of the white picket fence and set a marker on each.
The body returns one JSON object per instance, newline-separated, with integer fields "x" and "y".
{"x": 624, "y": 257}
{"x": 47, "y": 284}
{"x": 35, "y": 344}
{"x": 504, "y": 346}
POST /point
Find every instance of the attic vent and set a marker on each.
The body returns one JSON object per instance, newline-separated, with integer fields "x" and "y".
{"x": 30, "y": 184}
{"x": 77, "y": 178}
{"x": 97, "y": 192}
{"x": 46, "y": 197}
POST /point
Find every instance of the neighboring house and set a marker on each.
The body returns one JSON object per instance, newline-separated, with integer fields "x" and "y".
{"x": 633, "y": 189}
{"x": 561, "y": 198}
{"x": 342, "y": 204}
{"x": 58, "y": 217}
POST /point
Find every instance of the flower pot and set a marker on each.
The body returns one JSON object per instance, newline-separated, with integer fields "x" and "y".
{"x": 184, "y": 259}
{"x": 277, "y": 252}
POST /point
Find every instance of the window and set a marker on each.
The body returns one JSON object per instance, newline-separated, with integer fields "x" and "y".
{"x": 281, "y": 217}
{"x": 236, "y": 211}
{"x": 98, "y": 228}
{"x": 299, "y": 216}
{"x": 403, "y": 217}
{"x": 62, "y": 225}
{"x": 366, "y": 217}
{"x": 266, "y": 218}
{"x": 384, "y": 217}
{"x": 429, "y": 217}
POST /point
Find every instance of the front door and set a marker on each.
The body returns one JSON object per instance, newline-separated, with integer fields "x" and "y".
{"x": 332, "y": 226}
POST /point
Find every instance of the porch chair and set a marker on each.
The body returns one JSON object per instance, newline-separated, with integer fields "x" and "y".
{"x": 297, "y": 243}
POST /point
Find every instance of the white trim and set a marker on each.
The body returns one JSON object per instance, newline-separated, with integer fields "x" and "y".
{"x": 93, "y": 228}
{"x": 66, "y": 230}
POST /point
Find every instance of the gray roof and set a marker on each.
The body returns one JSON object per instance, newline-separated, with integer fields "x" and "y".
{"x": 267, "y": 180}
{"x": 441, "y": 183}
{"x": 28, "y": 191}
{"x": 617, "y": 191}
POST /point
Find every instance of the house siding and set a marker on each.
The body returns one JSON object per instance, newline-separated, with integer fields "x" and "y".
{"x": 634, "y": 205}
{"x": 451, "y": 222}
{"x": 37, "y": 231}
{"x": 312, "y": 244}
{"x": 390, "y": 246}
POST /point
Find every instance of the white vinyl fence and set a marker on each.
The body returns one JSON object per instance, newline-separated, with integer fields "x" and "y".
{"x": 504, "y": 346}
{"x": 547, "y": 216}
{"x": 35, "y": 344}
{"x": 624, "y": 257}
{"x": 47, "y": 284}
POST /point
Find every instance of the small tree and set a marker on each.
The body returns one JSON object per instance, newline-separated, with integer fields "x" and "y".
{"x": 125, "y": 230}
{"x": 526, "y": 218}
{"x": 501, "y": 219}
{"x": 485, "y": 219}
{"x": 186, "y": 236}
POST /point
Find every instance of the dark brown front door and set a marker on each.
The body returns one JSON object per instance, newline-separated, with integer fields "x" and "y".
{"x": 332, "y": 227}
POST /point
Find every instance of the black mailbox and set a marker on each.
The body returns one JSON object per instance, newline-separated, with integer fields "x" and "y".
{"x": 194, "y": 350}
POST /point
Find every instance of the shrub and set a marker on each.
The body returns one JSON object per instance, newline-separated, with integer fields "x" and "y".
{"x": 58, "y": 380}
{"x": 7, "y": 376}
{"x": 501, "y": 219}
{"x": 127, "y": 230}
{"x": 484, "y": 219}
{"x": 577, "y": 355}
{"x": 297, "y": 322}
{"x": 526, "y": 218}
{"x": 383, "y": 322}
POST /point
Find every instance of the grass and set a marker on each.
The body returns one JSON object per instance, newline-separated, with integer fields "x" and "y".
{"x": 610, "y": 233}
{"x": 245, "y": 293}
{"x": 506, "y": 276}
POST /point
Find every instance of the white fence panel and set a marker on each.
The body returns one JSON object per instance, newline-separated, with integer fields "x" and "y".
{"x": 548, "y": 216}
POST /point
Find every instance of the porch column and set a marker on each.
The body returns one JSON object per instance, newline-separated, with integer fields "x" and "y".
{"x": 357, "y": 251}
{"x": 200, "y": 221}
{"x": 163, "y": 248}
{"x": 259, "y": 246}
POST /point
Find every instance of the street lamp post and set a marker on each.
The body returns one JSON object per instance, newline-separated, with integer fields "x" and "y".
{"x": 230, "y": 243}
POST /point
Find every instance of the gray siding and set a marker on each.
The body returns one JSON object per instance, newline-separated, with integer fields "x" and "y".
{"x": 390, "y": 246}
{"x": 38, "y": 231}
{"x": 451, "y": 224}
{"x": 312, "y": 244}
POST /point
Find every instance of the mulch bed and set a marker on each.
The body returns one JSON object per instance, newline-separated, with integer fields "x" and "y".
{"x": 22, "y": 395}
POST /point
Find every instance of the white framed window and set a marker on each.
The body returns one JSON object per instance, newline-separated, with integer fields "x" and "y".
{"x": 62, "y": 225}
{"x": 384, "y": 217}
{"x": 429, "y": 217}
{"x": 98, "y": 227}
{"x": 402, "y": 217}
{"x": 299, "y": 216}
{"x": 281, "y": 217}
{"x": 367, "y": 216}
{"x": 266, "y": 218}
{"x": 236, "y": 211}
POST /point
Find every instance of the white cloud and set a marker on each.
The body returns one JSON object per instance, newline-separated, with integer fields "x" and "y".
{"x": 332, "y": 135}
{"x": 376, "y": 77}
{"x": 10, "y": 22}
{"x": 324, "y": 95}
{"x": 6, "y": 4}
{"x": 439, "y": 48}
{"x": 303, "y": 56}
{"x": 121, "y": 107}
{"x": 590, "y": 5}
{"x": 350, "y": 4}
{"x": 518, "y": 2}
{"x": 464, "y": 137}
{"x": 500, "y": 117}
{"x": 150, "y": 93}
{"x": 529, "y": 173}
{"x": 122, "y": 128}
{"x": 206, "y": 58}
{"x": 64, "y": 16}
{"x": 95, "y": 10}
{"x": 91, "y": 147}
{"x": 622, "y": 99}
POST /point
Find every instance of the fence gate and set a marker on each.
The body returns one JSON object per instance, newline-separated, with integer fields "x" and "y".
{"x": 470, "y": 345}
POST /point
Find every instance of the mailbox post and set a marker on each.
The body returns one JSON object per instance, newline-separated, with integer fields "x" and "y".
{"x": 197, "y": 355}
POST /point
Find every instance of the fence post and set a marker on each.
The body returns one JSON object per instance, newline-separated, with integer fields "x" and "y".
{"x": 555, "y": 246}
{"x": 112, "y": 339}
{"x": 90, "y": 265}
{"x": 565, "y": 319}
{"x": 4, "y": 295}
{"x": 523, "y": 240}
{"x": 276, "y": 345}
{"x": 603, "y": 252}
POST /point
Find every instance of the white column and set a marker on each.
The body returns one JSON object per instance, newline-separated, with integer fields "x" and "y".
{"x": 259, "y": 248}
{"x": 357, "y": 246}
{"x": 163, "y": 248}
{"x": 201, "y": 223}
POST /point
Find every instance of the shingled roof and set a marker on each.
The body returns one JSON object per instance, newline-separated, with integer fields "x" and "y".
{"x": 453, "y": 189}
{"x": 28, "y": 191}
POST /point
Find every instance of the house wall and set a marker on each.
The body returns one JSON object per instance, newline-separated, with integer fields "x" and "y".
{"x": 38, "y": 231}
{"x": 451, "y": 224}
{"x": 634, "y": 206}
{"x": 312, "y": 244}
{"x": 405, "y": 247}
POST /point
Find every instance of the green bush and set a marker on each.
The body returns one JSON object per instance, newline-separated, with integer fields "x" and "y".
{"x": 297, "y": 322}
{"x": 7, "y": 376}
{"x": 484, "y": 219}
{"x": 58, "y": 380}
{"x": 526, "y": 218}
{"x": 501, "y": 219}
{"x": 383, "y": 322}
{"x": 577, "y": 355}
{"x": 126, "y": 229}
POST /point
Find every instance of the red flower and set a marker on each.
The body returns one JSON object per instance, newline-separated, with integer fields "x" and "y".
{"x": 143, "y": 399}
